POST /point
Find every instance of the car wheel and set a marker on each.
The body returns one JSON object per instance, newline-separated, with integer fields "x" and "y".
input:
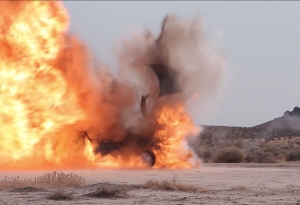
{"x": 148, "y": 157}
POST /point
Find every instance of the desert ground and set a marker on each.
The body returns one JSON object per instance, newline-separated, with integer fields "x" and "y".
{"x": 215, "y": 184}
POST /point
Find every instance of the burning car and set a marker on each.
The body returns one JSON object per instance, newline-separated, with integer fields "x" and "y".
{"x": 143, "y": 144}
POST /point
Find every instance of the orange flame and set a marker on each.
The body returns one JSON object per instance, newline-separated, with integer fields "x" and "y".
{"x": 174, "y": 126}
{"x": 34, "y": 97}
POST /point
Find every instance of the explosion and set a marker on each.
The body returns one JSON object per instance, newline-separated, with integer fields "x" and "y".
{"x": 57, "y": 104}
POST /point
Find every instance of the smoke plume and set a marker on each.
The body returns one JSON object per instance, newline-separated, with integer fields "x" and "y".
{"x": 182, "y": 47}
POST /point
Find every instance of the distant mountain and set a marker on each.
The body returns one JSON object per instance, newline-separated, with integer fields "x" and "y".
{"x": 287, "y": 125}
{"x": 282, "y": 133}
{"x": 290, "y": 120}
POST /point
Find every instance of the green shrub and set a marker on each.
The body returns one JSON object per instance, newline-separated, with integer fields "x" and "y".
{"x": 231, "y": 154}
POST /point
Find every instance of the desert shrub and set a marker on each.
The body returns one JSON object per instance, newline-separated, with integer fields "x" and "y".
{"x": 240, "y": 144}
{"x": 48, "y": 180}
{"x": 260, "y": 156}
{"x": 265, "y": 154}
{"x": 203, "y": 153}
{"x": 61, "y": 195}
{"x": 277, "y": 152}
{"x": 227, "y": 143}
{"x": 230, "y": 154}
{"x": 239, "y": 188}
{"x": 107, "y": 190}
{"x": 207, "y": 137}
{"x": 171, "y": 185}
{"x": 292, "y": 155}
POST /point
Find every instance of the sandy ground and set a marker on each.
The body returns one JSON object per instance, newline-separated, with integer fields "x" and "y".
{"x": 225, "y": 184}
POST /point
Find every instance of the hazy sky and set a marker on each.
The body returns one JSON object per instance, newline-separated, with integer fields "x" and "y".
{"x": 260, "y": 39}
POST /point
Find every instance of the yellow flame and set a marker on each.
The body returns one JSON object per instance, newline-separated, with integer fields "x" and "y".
{"x": 34, "y": 97}
{"x": 174, "y": 125}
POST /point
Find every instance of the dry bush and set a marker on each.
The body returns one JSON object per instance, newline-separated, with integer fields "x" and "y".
{"x": 203, "y": 153}
{"x": 230, "y": 154}
{"x": 48, "y": 180}
{"x": 239, "y": 188}
{"x": 109, "y": 191}
{"x": 292, "y": 155}
{"x": 265, "y": 154}
{"x": 277, "y": 152}
{"x": 260, "y": 156}
{"x": 61, "y": 195}
{"x": 171, "y": 185}
{"x": 240, "y": 144}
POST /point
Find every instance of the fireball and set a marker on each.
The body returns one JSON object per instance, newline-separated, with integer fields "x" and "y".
{"x": 41, "y": 109}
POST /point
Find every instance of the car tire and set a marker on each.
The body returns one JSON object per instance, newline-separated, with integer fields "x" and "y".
{"x": 148, "y": 157}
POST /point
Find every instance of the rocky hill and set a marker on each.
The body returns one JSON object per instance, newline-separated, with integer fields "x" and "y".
{"x": 289, "y": 120}
{"x": 281, "y": 133}
{"x": 286, "y": 126}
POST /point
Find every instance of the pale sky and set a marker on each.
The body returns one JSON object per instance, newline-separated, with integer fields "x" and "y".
{"x": 260, "y": 39}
